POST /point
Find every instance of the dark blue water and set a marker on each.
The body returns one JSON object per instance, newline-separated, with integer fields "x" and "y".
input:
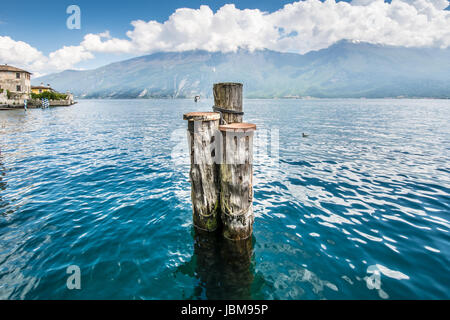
{"x": 357, "y": 210}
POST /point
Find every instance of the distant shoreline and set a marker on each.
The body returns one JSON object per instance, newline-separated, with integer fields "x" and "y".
{"x": 247, "y": 98}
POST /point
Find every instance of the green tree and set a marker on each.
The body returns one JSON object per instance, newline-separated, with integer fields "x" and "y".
{"x": 50, "y": 95}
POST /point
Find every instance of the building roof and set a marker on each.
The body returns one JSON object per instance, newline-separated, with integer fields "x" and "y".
{"x": 41, "y": 87}
{"x": 5, "y": 67}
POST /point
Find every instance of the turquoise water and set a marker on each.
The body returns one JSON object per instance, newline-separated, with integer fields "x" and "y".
{"x": 357, "y": 210}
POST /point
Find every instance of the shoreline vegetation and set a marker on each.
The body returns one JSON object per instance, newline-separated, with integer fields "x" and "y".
{"x": 50, "y": 95}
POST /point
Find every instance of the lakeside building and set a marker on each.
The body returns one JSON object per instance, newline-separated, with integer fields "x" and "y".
{"x": 16, "y": 81}
{"x": 41, "y": 88}
{"x": 16, "y": 90}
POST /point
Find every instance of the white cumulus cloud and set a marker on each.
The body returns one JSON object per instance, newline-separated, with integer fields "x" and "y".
{"x": 66, "y": 57}
{"x": 21, "y": 54}
{"x": 297, "y": 27}
{"x": 18, "y": 52}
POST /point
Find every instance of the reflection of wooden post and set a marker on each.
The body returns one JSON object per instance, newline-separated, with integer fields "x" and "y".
{"x": 236, "y": 176}
{"x": 207, "y": 265}
{"x": 228, "y": 96}
{"x": 223, "y": 267}
{"x": 237, "y": 274}
{"x": 202, "y": 127}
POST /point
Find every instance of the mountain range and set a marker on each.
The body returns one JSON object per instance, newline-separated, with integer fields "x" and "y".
{"x": 346, "y": 69}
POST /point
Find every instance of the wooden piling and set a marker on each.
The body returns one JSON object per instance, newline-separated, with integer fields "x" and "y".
{"x": 236, "y": 180}
{"x": 222, "y": 165}
{"x": 202, "y": 131}
{"x": 228, "y": 101}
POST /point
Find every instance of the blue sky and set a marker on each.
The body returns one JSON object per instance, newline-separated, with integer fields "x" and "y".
{"x": 307, "y": 25}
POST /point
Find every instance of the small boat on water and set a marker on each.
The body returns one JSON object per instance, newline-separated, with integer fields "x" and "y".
{"x": 196, "y": 98}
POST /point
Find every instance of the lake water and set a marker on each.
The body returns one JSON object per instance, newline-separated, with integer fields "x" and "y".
{"x": 357, "y": 210}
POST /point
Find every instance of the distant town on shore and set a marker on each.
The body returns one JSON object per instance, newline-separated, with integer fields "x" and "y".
{"x": 16, "y": 90}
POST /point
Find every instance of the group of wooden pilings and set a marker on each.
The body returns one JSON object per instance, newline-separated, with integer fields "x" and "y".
{"x": 221, "y": 174}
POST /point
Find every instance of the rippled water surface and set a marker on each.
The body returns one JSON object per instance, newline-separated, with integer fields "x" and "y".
{"x": 357, "y": 210}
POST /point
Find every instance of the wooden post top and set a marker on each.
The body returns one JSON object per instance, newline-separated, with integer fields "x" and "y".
{"x": 228, "y": 84}
{"x": 238, "y": 127}
{"x": 201, "y": 116}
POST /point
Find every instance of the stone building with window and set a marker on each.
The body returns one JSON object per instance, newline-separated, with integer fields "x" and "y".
{"x": 16, "y": 81}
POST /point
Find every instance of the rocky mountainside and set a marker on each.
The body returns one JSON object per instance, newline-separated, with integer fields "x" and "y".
{"x": 346, "y": 69}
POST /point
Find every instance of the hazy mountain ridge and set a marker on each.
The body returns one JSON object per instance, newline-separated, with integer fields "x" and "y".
{"x": 345, "y": 69}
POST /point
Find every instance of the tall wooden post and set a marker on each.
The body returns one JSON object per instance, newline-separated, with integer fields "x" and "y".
{"x": 228, "y": 101}
{"x": 202, "y": 130}
{"x": 236, "y": 180}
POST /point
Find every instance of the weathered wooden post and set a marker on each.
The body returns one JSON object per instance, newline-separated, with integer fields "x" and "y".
{"x": 228, "y": 101}
{"x": 222, "y": 163}
{"x": 236, "y": 180}
{"x": 236, "y": 168}
{"x": 202, "y": 130}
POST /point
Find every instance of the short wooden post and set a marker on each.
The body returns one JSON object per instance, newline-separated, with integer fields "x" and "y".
{"x": 202, "y": 128}
{"x": 228, "y": 101}
{"x": 236, "y": 180}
